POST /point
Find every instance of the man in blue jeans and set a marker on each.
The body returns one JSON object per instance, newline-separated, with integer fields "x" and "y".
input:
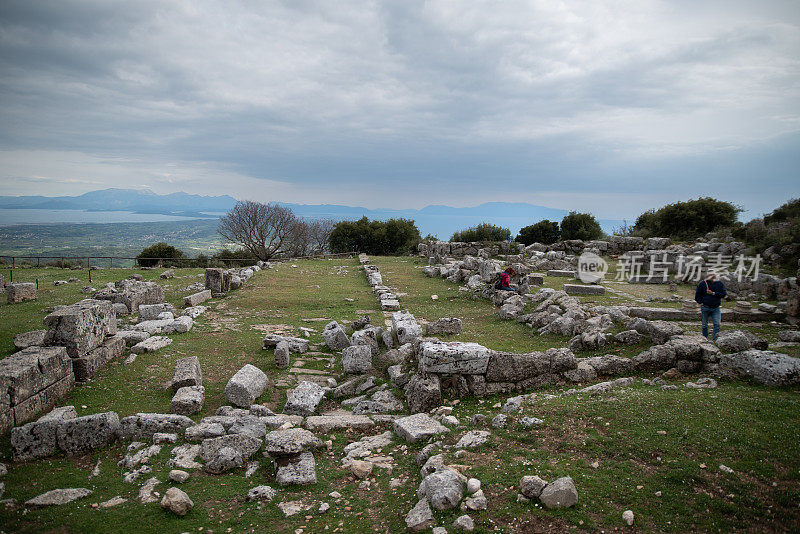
{"x": 709, "y": 295}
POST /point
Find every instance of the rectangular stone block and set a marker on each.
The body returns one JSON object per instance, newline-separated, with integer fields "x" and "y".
{"x": 454, "y": 358}
{"x": 20, "y": 291}
{"x": 578, "y": 289}
{"x": 31, "y": 370}
{"x": 38, "y": 439}
{"x": 132, "y": 293}
{"x": 196, "y": 298}
{"x": 86, "y": 366}
{"x": 187, "y": 373}
{"x": 81, "y": 327}
{"x": 44, "y": 400}
{"x": 559, "y": 272}
{"x": 514, "y": 367}
{"x": 218, "y": 281}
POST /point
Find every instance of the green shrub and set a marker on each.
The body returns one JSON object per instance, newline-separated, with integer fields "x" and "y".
{"x": 157, "y": 252}
{"x": 687, "y": 220}
{"x": 580, "y": 226}
{"x": 545, "y": 231}
{"x": 482, "y": 232}
{"x": 395, "y": 236}
{"x": 789, "y": 210}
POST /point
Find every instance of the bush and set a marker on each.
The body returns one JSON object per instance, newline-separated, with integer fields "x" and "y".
{"x": 687, "y": 220}
{"x": 545, "y": 231}
{"x": 482, "y": 232}
{"x": 395, "y": 236}
{"x": 790, "y": 210}
{"x": 580, "y": 226}
{"x": 157, "y": 252}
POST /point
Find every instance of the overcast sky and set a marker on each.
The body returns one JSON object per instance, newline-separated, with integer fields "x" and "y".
{"x": 612, "y": 107}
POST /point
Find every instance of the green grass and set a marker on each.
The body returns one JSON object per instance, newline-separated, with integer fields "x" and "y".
{"x": 750, "y": 429}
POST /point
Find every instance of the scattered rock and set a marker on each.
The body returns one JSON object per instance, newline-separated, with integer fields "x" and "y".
{"x": 420, "y": 517}
{"x": 177, "y": 502}
{"x": 58, "y": 497}
{"x": 261, "y": 493}
{"x": 560, "y": 493}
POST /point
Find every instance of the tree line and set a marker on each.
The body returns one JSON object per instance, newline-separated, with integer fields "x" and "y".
{"x": 267, "y": 231}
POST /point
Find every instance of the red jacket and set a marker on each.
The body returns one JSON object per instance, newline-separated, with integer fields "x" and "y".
{"x": 505, "y": 279}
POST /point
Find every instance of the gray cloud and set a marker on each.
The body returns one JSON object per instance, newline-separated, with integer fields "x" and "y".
{"x": 355, "y": 100}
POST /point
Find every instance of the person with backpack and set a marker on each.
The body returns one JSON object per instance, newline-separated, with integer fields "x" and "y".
{"x": 504, "y": 284}
{"x": 709, "y": 295}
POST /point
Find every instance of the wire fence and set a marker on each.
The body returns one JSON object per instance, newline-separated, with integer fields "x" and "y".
{"x": 126, "y": 262}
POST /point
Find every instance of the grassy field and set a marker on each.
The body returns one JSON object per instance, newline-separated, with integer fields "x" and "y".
{"x": 644, "y": 439}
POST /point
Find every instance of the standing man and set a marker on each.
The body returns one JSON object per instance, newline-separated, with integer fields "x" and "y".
{"x": 709, "y": 295}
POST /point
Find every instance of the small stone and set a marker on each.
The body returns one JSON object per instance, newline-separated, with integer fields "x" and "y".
{"x": 323, "y": 507}
{"x": 499, "y": 421}
{"x": 439, "y": 530}
{"x": 627, "y": 516}
{"x": 361, "y": 469}
{"x": 113, "y": 501}
{"x": 420, "y": 517}
{"x": 176, "y": 501}
{"x": 261, "y": 493}
{"x": 464, "y": 523}
{"x": 178, "y": 475}
{"x": 560, "y": 493}
{"x": 335, "y": 495}
{"x": 473, "y": 485}
{"x": 725, "y": 469}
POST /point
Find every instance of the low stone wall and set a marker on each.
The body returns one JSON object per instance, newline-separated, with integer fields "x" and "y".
{"x": 131, "y": 293}
{"x": 32, "y": 380}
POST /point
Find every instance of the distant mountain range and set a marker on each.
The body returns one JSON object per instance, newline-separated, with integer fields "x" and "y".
{"x": 441, "y": 221}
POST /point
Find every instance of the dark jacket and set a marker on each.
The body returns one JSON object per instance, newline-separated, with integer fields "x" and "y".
{"x": 711, "y": 301}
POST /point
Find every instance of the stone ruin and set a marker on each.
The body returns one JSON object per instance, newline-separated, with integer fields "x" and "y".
{"x": 19, "y": 291}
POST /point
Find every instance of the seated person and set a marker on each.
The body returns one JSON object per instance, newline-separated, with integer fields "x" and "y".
{"x": 504, "y": 284}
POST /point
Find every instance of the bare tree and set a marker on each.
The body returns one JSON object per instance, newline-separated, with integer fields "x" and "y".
{"x": 263, "y": 229}
{"x": 320, "y": 234}
{"x": 299, "y": 243}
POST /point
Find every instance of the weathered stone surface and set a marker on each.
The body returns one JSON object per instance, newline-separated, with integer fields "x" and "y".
{"x": 28, "y": 372}
{"x": 188, "y": 400}
{"x": 29, "y": 339}
{"x": 246, "y": 386}
{"x": 610, "y": 365}
{"x": 792, "y": 336}
{"x": 417, "y": 427}
{"x": 446, "y": 325}
{"x": 85, "y": 434}
{"x": 514, "y": 367}
{"x": 357, "y": 359}
{"x": 443, "y": 489}
{"x": 58, "y": 497}
{"x": 38, "y": 439}
{"x": 367, "y": 337}
{"x": 152, "y": 311}
{"x": 738, "y": 341}
{"x": 531, "y": 486}
{"x": 244, "y": 444}
{"x": 132, "y": 293}
{"x": 473, "y": 439}
{"x": 218, "y": 280}
{"x": 423, "y": 393}
{"x": 282, "y": 355}
{"x": 299, "y": 469}
{"x": 629, "y": 337}
{"x": 405, "y": 327}
{"x": 329, "y": 423}
{"x": 296, "y": 344}
{"x": 765, "y": 367}
{"x": 204, "y": 430}
{"x": 177, "y": 502}
{"x": 195, "y": 299}
{"x": 578, "y": 289}
{"x": 187, "y": 373}
{"x": 151, "y": 344}
{"x": 290, "y": 441}
{"x": 142, "y": 426}
{"x": 84, "y": 367}
{"x": 132, "y": 337}
{"x": 560, "y": 493}
{"x": 420, "y": 517}
{"x": 147, "y": 491}
{"x": 80, "y": 327}
{"x": 20, "y": 291}
{"x": 304, "y": 399}
{"x": 398, "y": 377}
{"x": 261, "y": 493}
{"x": 335, "y": 336}
{"x": 454, "y": 357}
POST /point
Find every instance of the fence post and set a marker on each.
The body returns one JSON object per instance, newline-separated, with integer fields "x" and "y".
{"x": 111, "y": 263}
